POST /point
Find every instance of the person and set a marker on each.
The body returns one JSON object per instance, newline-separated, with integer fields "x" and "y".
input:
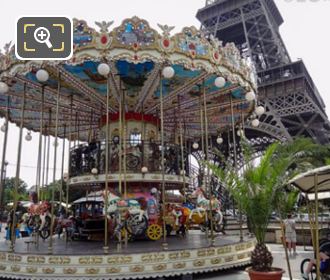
{"x": 324, "y": 264}
{"x": 290, "y": 234}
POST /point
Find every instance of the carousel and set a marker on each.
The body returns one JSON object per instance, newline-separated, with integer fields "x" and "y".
{"x": 141, "y": 111}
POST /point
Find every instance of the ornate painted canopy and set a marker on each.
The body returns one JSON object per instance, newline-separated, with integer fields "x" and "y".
{"x": 136, "y": 54}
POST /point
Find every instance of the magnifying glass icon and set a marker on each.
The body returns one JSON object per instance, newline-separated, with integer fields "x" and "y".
{"x": 41, "y": 35}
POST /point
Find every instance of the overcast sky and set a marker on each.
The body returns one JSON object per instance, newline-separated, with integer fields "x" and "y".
{"x": 305, "y": 33}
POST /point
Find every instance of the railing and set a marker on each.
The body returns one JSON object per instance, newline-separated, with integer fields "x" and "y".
{"x": 86, "y": 158}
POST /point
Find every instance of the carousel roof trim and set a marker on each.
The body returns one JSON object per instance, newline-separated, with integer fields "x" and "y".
{"x": 136, "y": 53}
{"x": 135, "y": 41}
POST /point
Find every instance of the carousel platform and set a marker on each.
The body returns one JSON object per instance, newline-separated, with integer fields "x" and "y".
{"x": 140, "y": 259}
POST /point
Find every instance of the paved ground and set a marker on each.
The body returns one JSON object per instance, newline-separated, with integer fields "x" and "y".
{"x": 236, "y": 274}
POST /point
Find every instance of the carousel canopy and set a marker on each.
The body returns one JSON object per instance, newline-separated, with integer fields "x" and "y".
{"x": 136, "y": 54}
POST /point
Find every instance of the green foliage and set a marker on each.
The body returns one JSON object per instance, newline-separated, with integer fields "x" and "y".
{"x": 9, "y": 187}
{"x": 259, "y": 188}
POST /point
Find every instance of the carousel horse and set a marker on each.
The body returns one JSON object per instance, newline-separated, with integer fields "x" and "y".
{"x": 204, "y": 205}
{"x": 127, "y": 214}
{"x": 39, "y": 216}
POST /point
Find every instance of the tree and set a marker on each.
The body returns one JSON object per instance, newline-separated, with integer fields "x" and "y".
{"x": 9, "y": 188}
{"x": 258, "y": 188}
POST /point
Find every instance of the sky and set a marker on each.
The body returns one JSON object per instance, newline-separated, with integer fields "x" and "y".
{"x": 305, "y": 33}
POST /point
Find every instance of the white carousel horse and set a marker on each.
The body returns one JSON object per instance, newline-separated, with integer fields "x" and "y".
{"x": 204, "y": 204}
{"x": 128, "y": 214}
{"x": 115, "y": 203}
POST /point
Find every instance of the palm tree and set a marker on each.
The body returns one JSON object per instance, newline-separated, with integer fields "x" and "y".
{"x": 257, "y": 188}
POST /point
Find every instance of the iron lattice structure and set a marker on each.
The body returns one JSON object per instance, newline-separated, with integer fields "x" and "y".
{"x": 293, "y": 104}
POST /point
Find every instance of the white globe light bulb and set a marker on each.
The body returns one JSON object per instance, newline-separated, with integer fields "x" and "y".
{"x": 153, "y": 190}
{"x": 3, "y": 88}
{"x": 250, "y": 96}
{"x": 195, "y": 145}
{"x": 144, "y": 169}
{"x": 219, "y": 140}
{"x": 240, "y": 133}
{"x": 103, "y": 69}
{"x": 255, "y": 123}
{"x": 168, "y": 72}
{"x": 260, "y": 110}
{"x": 220, "y": 82}
{"x": 94, "y": 171}
{"x": 28, "y": 136}
{"x": 42, "y": 75}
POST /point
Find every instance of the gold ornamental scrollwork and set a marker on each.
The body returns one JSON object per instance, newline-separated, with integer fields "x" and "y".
{"x": 48, "y": 270}
{"x": 90, "y": 260}
{"x": 156, "y": 257}
{"x": 241, "y": 256}
{"x": 240, "y": 247}
{"x": 15, "y": 268}
{"x": 199, "y": 263}
{"x": 206, "y": 252}
{"x": 229, "y": 259}
{"x": 14, "y": 258}
{"x": 120, "y": 260}
{"x": 179, "y": 265}
{"x": 224, "y": 250}
{"x": 216, "y": 261}
{"x": 159, "y": 267}
{"x": 59, "y": 260}
{"x": 179, "y": 255}
{"x": 113, "y": 270}
{"x": 69, "y": 270}
{"x": 249, "y": 245}
{"x": 2, "y": 256}
{"x": 31, "y": 269}
{"x": 136, "y": 268}
{"x": 36, "y": 259}
{"x": 92, "y": 270}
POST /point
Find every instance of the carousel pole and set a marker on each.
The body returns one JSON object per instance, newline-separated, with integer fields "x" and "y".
{"x": 120, "y": 154}
{"x": 201, "y": 114}
{"x": 38, "y": 176}
{"x": 240, "y": 210}
{"x": 44, "y": 162}
{"x": 165, "y": 245}
{"x": 233, "y": 135}
{"x": 69, "y": 157}
{"x": 208, "y": 186}
{"x": 183, "y": 169}
{"x": 106, "y": 241}
{"x": 50, "y": 247}
{"x": 124, "y": 130}
{"x": 3, "y": 161}
{"x": 104, "y": 70}
{"x": 18, "y": 166}
{"x": 62, "y": 166}
{"x": 48, "y": 146}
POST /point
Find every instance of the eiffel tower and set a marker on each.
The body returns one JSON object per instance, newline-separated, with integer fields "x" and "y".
{"x": 293, "y": 104}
